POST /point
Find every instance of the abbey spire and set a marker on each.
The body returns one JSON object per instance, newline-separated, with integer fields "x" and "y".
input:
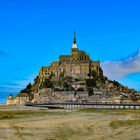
{"x": 74, "y": 41}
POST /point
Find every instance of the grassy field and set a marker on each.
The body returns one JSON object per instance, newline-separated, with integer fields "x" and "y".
{"x": 84, "y": 124}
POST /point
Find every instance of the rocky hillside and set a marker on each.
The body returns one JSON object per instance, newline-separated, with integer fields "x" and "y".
{"x": 93, "y": 88}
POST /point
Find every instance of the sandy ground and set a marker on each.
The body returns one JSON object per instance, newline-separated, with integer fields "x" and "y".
{"x": 70, "y": 125}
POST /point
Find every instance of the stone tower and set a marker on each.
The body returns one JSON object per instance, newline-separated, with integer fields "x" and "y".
{"x": 74, "y": 50}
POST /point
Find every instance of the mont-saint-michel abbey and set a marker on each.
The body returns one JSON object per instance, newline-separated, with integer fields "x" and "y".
{"x": 77, "y": 65}
{"x": 74, "y": 77}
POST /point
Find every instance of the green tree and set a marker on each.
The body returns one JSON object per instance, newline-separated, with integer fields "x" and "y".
{"x": 36, "y": 79}
{"x": 90, "y": 91}
{"x": 81, "y": 89}
{"x": 115, "y": 83}
{"x": 27, "y": 89}
{"x": 90, "y": 82}
{"x": 95, "y": 75}
{"x": 47, "y": 83}
{"x": 66, "y": 85}
{"x": 29, "y": 86}
{"x": 89, "y": 74}
{"x": 100, "y": 72}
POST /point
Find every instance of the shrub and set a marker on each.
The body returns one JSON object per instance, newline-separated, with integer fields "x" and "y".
{"x": 27, "y": 89}
{"x": 58, "y": 89}
{"x": 80, "y": 89}
{"x": 90, "y": 91}
{"x": 90, "y": 82}
{"x": 47, "y": 83}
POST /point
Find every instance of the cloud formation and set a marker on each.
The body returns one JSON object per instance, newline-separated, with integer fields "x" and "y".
{"x": 124, "y": 67}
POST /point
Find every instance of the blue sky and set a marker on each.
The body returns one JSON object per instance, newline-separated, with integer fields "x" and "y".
{"x": 35, "y": 32}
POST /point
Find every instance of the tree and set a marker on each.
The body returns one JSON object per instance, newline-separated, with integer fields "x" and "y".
{"x": 81, "y": 89}
{"x": 47, "y": 83}
{"x": 100, "y": 72}
{"x": 90, "y": 82}
{"x": 29, "y": 86}
{"x": 90, "y": 91}
{"x": 36, "y": 79}
{"x": 27, "y": 89}
{"x": 115, "y": 83}
{"x": 66, "y": 85}
{"x": 95, "y": 75}
{"x": 89, "y": 74}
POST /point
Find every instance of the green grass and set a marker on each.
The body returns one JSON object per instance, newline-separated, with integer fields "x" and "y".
{"x": 24, "y": 113}
{"x": 114, "y": 111}
{"x": 121, "y": 123}
{"x": 6, "y": 116}
{"x": 20, "y": 113}
{"x": 104, "y": 111}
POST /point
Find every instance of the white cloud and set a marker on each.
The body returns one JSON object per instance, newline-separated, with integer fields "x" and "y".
{"x": 122, "y": 68}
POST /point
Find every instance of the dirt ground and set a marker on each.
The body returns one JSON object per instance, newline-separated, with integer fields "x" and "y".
{"x": 70, "y": 125}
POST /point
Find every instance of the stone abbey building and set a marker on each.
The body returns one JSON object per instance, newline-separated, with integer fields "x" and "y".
{"x": 78, "y": 64}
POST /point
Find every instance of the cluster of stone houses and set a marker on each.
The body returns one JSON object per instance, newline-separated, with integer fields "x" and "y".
{"x": 22, "y": 98}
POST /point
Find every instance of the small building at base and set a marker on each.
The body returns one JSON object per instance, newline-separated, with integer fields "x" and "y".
{"x": 21, "y": 98}
{"x": 10, "y": 100}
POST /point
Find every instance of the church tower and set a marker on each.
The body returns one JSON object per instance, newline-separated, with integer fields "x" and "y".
{"x": 74, "y": 49}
